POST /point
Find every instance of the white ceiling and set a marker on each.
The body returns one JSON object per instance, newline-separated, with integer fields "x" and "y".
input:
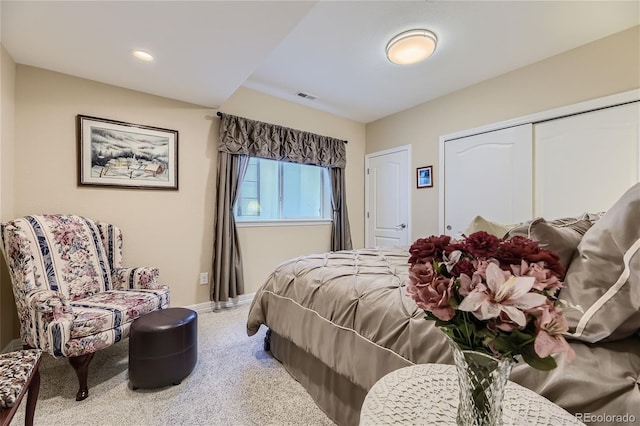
{"x": 334, "y": 50}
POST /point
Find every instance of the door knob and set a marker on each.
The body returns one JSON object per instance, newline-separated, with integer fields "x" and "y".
{"x": 448, "y": 227}
{"x": 401, "y": 226}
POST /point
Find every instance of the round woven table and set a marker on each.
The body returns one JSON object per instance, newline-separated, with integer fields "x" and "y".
{"x": 427, "y": 394}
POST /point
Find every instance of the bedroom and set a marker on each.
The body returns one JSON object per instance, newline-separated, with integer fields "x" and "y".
{"x": 39, "y": 163}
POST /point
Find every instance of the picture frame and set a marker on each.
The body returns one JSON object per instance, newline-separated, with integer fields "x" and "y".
{"x": 424, "y": 177}
{"x": 125, "y": 155}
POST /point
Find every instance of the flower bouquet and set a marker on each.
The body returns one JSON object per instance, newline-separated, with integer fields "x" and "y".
{"x": 496, "y": 301}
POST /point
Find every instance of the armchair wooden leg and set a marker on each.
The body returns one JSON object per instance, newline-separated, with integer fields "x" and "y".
{"x": 32, "y": 398}
{"x": 81, "y": 365}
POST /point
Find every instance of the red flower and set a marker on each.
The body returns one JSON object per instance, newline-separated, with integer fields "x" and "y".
{"x": 516, "y": 249}
{"x": 464, "y": 266}
{"x": 424, "y": 250}
{"x": 482, "y": 244}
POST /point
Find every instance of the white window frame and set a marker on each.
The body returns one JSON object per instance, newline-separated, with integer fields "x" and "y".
{"x": 325, "y": 205}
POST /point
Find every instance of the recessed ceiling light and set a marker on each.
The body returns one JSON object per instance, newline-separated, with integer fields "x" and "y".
{"x": 411, "y": 47}
{"x": 142, "y": 55}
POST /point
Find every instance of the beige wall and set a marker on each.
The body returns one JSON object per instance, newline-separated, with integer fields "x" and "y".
{"x": 604, "y": 67}
{"x": 8, "y": 318}
{"x": 169, "y": 229}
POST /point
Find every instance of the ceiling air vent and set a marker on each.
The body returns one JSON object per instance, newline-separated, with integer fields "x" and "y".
{"x": 307, "y": 96}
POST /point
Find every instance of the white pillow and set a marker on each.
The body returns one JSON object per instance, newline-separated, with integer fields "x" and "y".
{"x": 481, "y": 224}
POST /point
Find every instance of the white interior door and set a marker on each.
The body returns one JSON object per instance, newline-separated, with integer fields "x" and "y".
{"x": 489, "y": 175}
{"x": 587, "y": 161}
{"x": 387, "y": 193}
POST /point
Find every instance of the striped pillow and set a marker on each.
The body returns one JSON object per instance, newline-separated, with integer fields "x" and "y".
{"x": 604, "y": 277}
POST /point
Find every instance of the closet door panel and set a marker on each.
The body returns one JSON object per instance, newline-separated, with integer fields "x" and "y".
{"x": 488, "y": 175}
{"x": 585, "y": 162}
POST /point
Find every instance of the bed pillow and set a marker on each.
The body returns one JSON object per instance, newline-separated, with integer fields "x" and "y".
{"x": 594, "y": 217}
{"x": 560, "y": 235}
{"x": 604, "y": 276}
{"x": 479, "y": 223}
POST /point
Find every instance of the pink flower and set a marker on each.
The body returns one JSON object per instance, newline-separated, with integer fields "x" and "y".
{"x": 421, "y": 274}
{"x": 481, "y": 267}
{"x": 503, "y": 322}
{"x": 430, "y": 291}
{"x": 545, "y": 280}
{"x": 504, "y": 293}
{"x": 467, "y": 285}
{"x": 551, "y": 324}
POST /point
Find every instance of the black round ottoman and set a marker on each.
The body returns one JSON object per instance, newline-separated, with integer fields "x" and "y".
{"x": 163, "y": 347}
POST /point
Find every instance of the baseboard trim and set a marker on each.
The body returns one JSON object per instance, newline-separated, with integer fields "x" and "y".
{"x": 243, "y": 299}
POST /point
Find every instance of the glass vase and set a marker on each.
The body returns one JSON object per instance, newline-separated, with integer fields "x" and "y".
{"x": 482, "y": 380}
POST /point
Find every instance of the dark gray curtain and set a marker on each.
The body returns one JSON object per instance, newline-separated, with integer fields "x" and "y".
{"x": 241, "y": 138}
{"x": 340, "y": 229}
{"x": 228, "y": 279}
{"x": 240, "y": 135}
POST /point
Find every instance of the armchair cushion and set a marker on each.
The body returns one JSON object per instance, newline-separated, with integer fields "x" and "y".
{"x": 114, "y": 308}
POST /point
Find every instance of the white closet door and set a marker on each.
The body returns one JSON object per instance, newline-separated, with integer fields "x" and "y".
{"x": 586, "y": 162}
{"x": 488, "y": 175}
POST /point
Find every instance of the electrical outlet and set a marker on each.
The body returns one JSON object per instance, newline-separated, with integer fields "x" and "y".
{"x": 204, "y": 278}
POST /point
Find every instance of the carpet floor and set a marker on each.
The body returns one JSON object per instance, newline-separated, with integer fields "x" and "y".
{"x": 235, "y": 382}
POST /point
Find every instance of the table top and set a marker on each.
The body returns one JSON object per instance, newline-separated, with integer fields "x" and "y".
{"x": 428, "y": 394}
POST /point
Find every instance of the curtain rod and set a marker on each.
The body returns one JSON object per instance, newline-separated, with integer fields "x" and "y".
{"x": 219, "y": 114}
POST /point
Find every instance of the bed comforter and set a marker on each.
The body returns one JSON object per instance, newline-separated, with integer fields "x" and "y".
{"x": 349, "y": 310}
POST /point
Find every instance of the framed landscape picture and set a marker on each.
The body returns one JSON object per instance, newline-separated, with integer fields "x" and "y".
{"x": 424, "y": 177}
{"x": 118, "y": 154}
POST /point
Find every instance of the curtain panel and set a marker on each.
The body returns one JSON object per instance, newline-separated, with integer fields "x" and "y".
{"x": 241, "y": 138}
{"x": 228, "y": 278}
{"x": 239, "y": 135}
{"x": 340, "y": 228}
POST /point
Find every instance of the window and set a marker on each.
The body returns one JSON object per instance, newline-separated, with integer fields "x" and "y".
{"x": 277, "y": 190}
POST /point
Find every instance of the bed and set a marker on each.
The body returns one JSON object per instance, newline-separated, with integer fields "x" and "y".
{"x": 339, "y": 321}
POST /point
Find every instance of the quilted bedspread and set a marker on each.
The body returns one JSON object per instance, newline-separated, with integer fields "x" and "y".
{"x": 349, "y": 309}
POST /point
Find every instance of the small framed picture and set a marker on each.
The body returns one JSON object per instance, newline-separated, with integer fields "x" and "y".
{"x": 424, "y": 176}
{"x": 118, "y": 154}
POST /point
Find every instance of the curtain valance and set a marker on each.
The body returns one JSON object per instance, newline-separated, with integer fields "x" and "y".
{"x": 242, "y": 136}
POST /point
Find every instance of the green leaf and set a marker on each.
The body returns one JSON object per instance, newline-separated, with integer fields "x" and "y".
{"x": 531, "y": 357}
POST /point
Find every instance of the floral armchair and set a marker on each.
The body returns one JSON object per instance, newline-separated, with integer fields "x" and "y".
{"x": 73, "y": 295}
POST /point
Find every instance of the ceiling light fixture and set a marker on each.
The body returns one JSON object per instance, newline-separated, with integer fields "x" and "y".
{"x": 142, "y": 55}
{"x": 411, "y": 47}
